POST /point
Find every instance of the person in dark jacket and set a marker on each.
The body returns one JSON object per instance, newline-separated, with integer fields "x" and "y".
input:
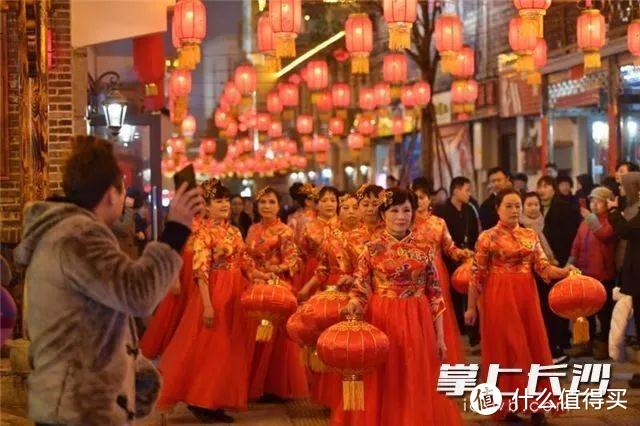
{"x": 561, "y": 222}
{"x": 626, "y": 225}
{"x": 239, "y": 218}
{"x": 498, "y": 180}
{"x": 565, "y": 190}
{"x": 585, "y": 185}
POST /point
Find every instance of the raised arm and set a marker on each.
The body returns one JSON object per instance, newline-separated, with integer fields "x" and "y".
{"x": 362, "y": 286}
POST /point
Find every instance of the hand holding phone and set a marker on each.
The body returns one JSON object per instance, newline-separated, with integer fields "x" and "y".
{"x": 187, "y": 175}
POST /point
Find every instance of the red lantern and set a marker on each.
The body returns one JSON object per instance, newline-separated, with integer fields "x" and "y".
{"x": 269, "y": 303}
{"x": 324, "y": 103}
{"x": 394, "y": 68}
{"x": 263, "y": 121}
{"x": 533, "y": 10}
{"x": 307, "y": 144}
{"x": 462, "y": 277}
{"x": 523, "y": 39}
{"x": 267, "y": 43}
{"x": 188, "y": 126}
{"x": 400, "y": 16}
{"x": 576, "y": 298}
{"x": 341, "y": 95}
{"x": 464, "y": 65}
{"x": 286, "y": 22}
{"x": 540, "y": 60}
{"x": 422, "y": 93}
{"x": 275, "y": 129}
{"x": 355, "y": 141}
{"x": 232, "y": 129}
{"x": 221, "y": 119}
{"x": 353, "y": 347}
{"x": 176, "y": 146}
{"x": 359, "y": 41}
{"x": 633, "y": 37}
{"x": 274, "y": 106}
{"x": 245, "y": 79}
{"x": 301, "y": 328}
{"x": 336, "y": 126}
{"x": 180, "y": 82}
{"x": 288, "y": 94}
{"x": 148, "y": 62}
{"x": 231, "y": 93}
{"x": 382, "y": 94}
{"x": 317, "y": 75}
{"x": 408, "y": 97}
{"x": 366, "y": 126}
{"x": 188, "y": 29}
{"x": 168, "y": 166}
{"x": 463, "y": 95}
{"x": 304, "y": 124}
{"x": 448, "y": 36}
{"x": 320, "y": 143}
{"x": 246, "y": 144}
{"x": 591, "y": 37}
{"x": 367, "y": 99}
{"x": 326, "y": 307}
{"x": 208, "y": 146}
{"x": 397, "y": 127}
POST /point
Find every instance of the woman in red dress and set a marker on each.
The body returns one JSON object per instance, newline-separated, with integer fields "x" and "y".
{"x": 433, "y": 230}
{"x": 276, "y": 371}
{"x": 368, "y": 203}
{"x": 397, "y": 290}
{"x": 206, "y": 364}
{"x": 512, "y": 328}
{"x": 305, "y": 196}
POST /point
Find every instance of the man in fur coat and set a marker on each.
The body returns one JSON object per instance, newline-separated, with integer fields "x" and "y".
{"x": 83, "y": 292}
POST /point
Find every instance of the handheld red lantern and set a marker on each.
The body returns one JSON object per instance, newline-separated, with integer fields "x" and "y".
{"x": 591, "y": 37}
{"x": 270, "y": 304}
{"x": 286, "y": 22}
{"x": 188, "y": 29}
{"x": 448, "y": 36}
{"x": 304, "y": 124}
{"x": 462, "y": 277}
{"x": 245, "y": 79}
{"x": 400, "y": 16}
{"x": 359, "y": 41}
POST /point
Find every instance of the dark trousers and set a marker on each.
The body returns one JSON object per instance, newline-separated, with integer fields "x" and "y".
{"x": 557, "y": 328}
{"x": 604, "y": 315}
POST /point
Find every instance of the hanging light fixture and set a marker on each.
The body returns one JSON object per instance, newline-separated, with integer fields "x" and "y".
{"x": 464, "y": 63}
{"x": 221, "y": 118}
{"x": 180, "y": 82}
{"x": 341, "y": 95}
{"x": 188, "y": 29}
{"x": 382, "y": 94}
{"x": 540, "y": 60}
{"x": 359, "y": 41}
{"x": 231, "y": 94}
{"x": 336, "y": 126}
{"x": 188, "y": 126}
{"x": 115, "y": 110}
{"x": 533, "y": 10}
{"x": 286, "y": 22}
{"x": 397, "y": 127}
{"x": 523, "y": 39}
{"x": 367, "y": 99}
{"x": 317, "y": 75}
{"x": 304, "y": 124}
{"x": 288, "y": 94}
{"x": 274, "y": 105}
{"x": 394, "y": 68}
{"x": 355, "y": 141}
{"x": 449, "y": 37}
{"x": 422, "y": 93}
{"x": 267, "y": 43}
{"x": 245, "y": 79}
{"x": 400, "y": 16}
{"x": 591, "y": 37}
{"x": 408, "y": 97}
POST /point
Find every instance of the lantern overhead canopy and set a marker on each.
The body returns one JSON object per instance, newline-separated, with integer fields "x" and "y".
{"x": 274, "y": 105}
{"x": 304, "y": 124}
{"x": 400, "y": 16}
{"x": 286, "y": 22}
{"x": 540, "y": 60}
{"x": 359, "y": 41}
{"x": 591, "y": 37}
{"x": 289, "y": 94}
{"x": 355, "y": 141}
{"x": 336, "y": 126}
{"x": 422, "y": 93}
{"x": 449, "y": 37}
{"x": 188, "y": 29}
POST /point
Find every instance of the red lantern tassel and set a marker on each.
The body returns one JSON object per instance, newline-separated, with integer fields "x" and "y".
{"x": 271, "y": 63}
{"x": 359, "y": 63}
{"x": 447, "y": 62}
{"x": 580, "y": 331}
{"x": 400, "y": 35}
{"x": 315, "y": 362}
{"x": 265, "y": 331}
{"x": 189, "y": 56}
{"x": 537, "y": 17}
{"x": 285, "y": 45}
{"x": 353, "y": 393}
{"x": 592, "y": 60}
{"x": 534, "y": 78}
{"x": 525, "y": 63}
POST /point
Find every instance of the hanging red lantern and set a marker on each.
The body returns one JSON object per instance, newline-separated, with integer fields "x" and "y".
{"x": 176, "y": 146}
{"x": 232, "y": 129}
{"x": 366, "y": 126}
{"x": 245, "y": 79}
{"x": 367, "y": 99}
{"x": 168, "y": 166}
{"x": 382, "y": 94}
{"x": 353, "y": 347}
{"x": 320, "y": 143}
{"x": 267, "y": 43}
{"x": 591, "y": 37}
{"x": 540, "y": 60}
{"x": 274, "y": 105}
{"x": 304, "y": 124}
{"x": 463, "y": 95}
{"x": 188, "y": 126}
{"x": 324, "y": 102}
{"x": 394, "y": 68}
{"x": 275, "y": 129}
{"x": 633, "y": 37}
{"x": 246, "y": 144}
{"x": 180, "y": 82}
{"x": 400, "y": 16}
{"x": 397, "y": 127}
{"x": 408, "y": 97}
{"x": 336, "y": 126}
{"x": 533, "y": 10}
{"x": 341, "y": 95}
{"x": 576, "y": 298}
{"x": 359, "y": 41}
{"x": 270, "y": 304}
{"x": 221, "y": 118}
{"x": 208, "y": 146}
{"x": 449, "y": 37}
{"x": 462, "y": 277}
{"x": 307, "y": 144}
{"x": 231, "y": 93}
{"x": 464, "y": 65}
{"x": 317, "y": 75}
{"x": 523, "y": 39}
{"x": 148, "y": 62}
{"x": 422, "y": 93}
{"x": 355, "y": 141}
{"x": 288, "y": 94}
{"x": 286, "y": 22}
{"x": 263, "y": 121}
{"x": 188, "y": 29}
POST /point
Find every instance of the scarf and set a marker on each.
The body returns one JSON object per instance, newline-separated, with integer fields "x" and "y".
{"x": 537, "y": 225}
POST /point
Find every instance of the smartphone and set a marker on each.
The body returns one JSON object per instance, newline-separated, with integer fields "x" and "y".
{"x": 185, "y": 175}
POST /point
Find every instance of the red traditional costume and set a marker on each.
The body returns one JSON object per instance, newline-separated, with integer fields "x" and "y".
{"x": 362, "y": 235}
{"x": 433, "y": 230}
{"x": 512, "y": 328}
{"x": 209, "y": 367}
{"x": 397, "y": 282}
{"x": 166, "y": 318}
{"x": 314, "y": 235}
{"x": 276, "y": 365}
{"x": 297, "y": 222}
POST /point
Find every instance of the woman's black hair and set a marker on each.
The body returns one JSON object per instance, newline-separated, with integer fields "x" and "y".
{"x": 367, "y": 191}
{"x": 213, "y": 189}
{"x": 234, "y": 196}
{"x": 298, "y": 196}
{"x": 504, "y": 193}
{"x": 422, "y": 186}
{"x": 532, "y": 194}
{"x": 260, "y": 194}
{"x": 331, "y": 190}
{"x": 396, "y": 197}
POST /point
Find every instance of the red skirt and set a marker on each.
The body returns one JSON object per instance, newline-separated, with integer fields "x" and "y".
{"x": 306, "y": 273}
{"x": 166, "y": 318}
{"x": 209, "y": 367}
{"x": 403, "y": 390}
{"x": 455, "y": 348}
{"x": 512, "y": 329}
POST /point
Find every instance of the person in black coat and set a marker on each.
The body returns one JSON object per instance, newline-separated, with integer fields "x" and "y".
{"x": 561, "y": 222}
{"x": 239, "y": 218}
{"x": 498, "y": 180}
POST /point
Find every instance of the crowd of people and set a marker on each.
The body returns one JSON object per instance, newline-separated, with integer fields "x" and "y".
{"x": 392, "y": 250}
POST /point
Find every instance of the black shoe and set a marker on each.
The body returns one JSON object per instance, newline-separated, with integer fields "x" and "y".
{"x": 210, "y": 416}
{"x": 222, "y": 417}
{"x": 538, "y": 419}
{"x": 269, "y": 398}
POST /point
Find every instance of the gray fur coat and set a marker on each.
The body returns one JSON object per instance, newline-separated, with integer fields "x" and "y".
{"x": 83, "y": 291}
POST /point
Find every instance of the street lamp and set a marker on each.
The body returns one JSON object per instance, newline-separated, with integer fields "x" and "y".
{"x": 115, "y": 111}
{"x": 104, "y": 96}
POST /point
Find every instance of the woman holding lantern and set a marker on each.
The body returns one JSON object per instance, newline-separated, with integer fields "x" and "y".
{"x": 396, "y": 289}
{"x": 506, "y": 256}
{"x": 433, "y": 230}
{"x": 276, "y": 372}
{"x": 213, "y": 339}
